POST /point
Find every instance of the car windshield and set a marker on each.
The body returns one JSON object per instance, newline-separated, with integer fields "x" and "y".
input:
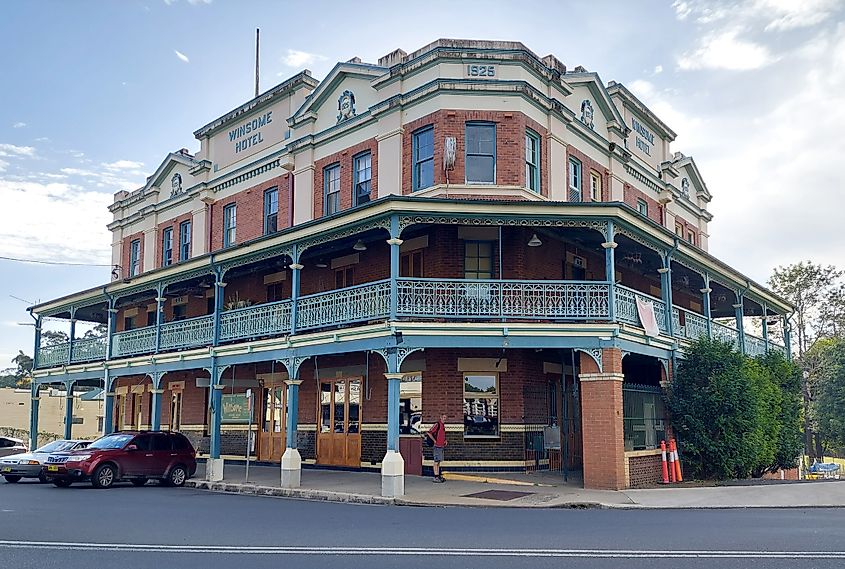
{"x": 56, "y": 446}
{"x": 111, "y": 441}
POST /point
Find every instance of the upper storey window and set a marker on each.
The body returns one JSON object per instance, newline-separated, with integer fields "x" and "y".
{"x": 595, "y": 187}
{"x": 574, "y": 180}
{"x": 271, "y": 211}
{"x": 184, "y": 240}
{"x": 230, "y": 224}
{"x": 363, "y": 170}
{"x": 167, "y": 247}
{"x": 642, "y": 207}
{"x": 480, "y": 153}
{"x": 423, "y": 143}
{"x": 532, "y": 161}
{"x": 135, "y": 258}
{"x": 331, "y": 189}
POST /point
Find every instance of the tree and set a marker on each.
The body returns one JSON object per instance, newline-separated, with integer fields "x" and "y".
{"x": 53, "y": 338}
{"x": 98, "y": 331}
{"x": 23, "y": 369}
{"x": 809, "y": 287}
{"x": 829, "y": 401}
{"x": 786, "y": 375}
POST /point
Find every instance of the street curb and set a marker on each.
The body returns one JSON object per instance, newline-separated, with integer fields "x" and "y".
{"x": 303, "y": 494}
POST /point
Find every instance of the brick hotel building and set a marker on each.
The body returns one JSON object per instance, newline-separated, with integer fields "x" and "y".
{"x": 468, "y": 228}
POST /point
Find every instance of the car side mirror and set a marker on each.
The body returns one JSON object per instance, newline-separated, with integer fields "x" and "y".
{"x": 132, "y": 447}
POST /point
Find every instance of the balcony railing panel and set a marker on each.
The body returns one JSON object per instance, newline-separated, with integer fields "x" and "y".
{"x": 754, "y": 345}
{"x": 89, "y": 349}
{"x": 364, "y": 302}
{"x": 469, "y": 299}
{"x": 255, "y": 321}
{"x": 50, "y": 356}
{"x": 626, "y": 307}
{"x": 726, "y": 334}
{"x": 187, "y": 333}
{"x": 694, "y": 325}
{"x": 133, "y": 342}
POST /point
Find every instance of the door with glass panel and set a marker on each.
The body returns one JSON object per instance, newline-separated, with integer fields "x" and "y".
{"x": 271, "y": 423}
{"x": 339, "y": 432}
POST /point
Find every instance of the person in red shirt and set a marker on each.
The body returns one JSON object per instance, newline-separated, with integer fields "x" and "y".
{"x": 437, "y": 434}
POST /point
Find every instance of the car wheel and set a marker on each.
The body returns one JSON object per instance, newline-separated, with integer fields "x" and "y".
{"x": 177, "y": 476}
{"x": 61, "y": 483}
{"x": 42, "y": 478}
{"x": 138, "y": 481}
{"x": 104, "y": 476}
{"x": 12, "y": 479}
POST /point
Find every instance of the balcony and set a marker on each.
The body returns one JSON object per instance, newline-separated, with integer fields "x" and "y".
{"x": 416, "y": 299}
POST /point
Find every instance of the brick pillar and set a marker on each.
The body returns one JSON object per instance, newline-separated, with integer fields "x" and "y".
{"x": 601, "y": 418}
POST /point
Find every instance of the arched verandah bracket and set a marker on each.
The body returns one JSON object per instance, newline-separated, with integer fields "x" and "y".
{"x": 293, "y": 364}
{"x": 594, "y": 353}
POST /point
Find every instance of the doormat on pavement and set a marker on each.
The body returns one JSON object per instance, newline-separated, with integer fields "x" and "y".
{"x": 503, "y": 495}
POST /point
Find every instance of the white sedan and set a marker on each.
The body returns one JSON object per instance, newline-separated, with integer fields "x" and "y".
{"x": 28, "y": 464}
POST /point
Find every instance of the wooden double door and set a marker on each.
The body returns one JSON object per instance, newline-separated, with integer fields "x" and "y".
{"x": 271, "y": 423}
{"x": 339, "y": 430}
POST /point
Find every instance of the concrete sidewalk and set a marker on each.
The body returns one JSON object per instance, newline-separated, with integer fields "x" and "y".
{"x": 538, "y": 490}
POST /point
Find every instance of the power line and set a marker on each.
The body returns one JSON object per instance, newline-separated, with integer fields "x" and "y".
{"x": 18, "y": 260}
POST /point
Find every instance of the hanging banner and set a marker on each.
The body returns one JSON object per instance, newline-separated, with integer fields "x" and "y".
{"x": 649, "y": 321}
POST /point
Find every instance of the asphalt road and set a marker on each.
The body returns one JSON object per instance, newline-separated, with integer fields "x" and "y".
{"x": 153, "y": 527}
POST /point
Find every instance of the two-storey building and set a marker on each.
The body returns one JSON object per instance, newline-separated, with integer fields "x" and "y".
{"x": 468, "y": 229}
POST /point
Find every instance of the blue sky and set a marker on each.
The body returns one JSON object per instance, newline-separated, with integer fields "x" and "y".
{"x": 95, "y": 93}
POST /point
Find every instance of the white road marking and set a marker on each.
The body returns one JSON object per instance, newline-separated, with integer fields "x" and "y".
{"x": 434, "y": 552}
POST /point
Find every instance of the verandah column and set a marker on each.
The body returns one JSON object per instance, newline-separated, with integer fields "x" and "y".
{"x": 738, "y": 312}
{"x": 33, "y": 416}
{"x": 108, "y": 404}
{"x": 705, "y": 298}
{"x": 666, "y": 293}
{"x": 214, "y": 464}
{"x": 156, "y": 402}
{"x": 395, "y": 244}
{"x": 610, "y": 270}
{"x": 291, "y": 459}
{"x": 602, "y": 424}
{"x": 69, "y": 410}
{"x": 295, "y": 268}
{"x": 392, "y": 465}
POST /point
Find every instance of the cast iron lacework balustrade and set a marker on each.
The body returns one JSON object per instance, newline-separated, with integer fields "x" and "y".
{"x": 626, "y": 307}
{"x": 49, "y": 356}
{"x": 187, "y": 333}
{"x": 255, "y": 321}
{"x": 466, "y": 299}
{"x": 754, "y": 346}
{"x": 726, "y": 334}
{"x": 89, "y": 349}
{"x": 695, "y": 325}
{"x": 138, "y": 341}
{"x": 336, "y": 307}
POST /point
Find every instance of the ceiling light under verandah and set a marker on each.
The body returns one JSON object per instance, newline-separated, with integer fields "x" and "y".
{"x": 534, "y": 241}
{"x": 359, "y": 246}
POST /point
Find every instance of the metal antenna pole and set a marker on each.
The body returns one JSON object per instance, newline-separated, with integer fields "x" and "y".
{"x": 256, "y": 60}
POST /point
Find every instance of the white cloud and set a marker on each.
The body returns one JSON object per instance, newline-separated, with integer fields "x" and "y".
{"x": 16, "y": 151}
{"x": 42, "y": 139}
{"x": 181, "y": 56}
{"x": 658, "y": 69}
{"x": 123, "y": 165}
{"x": 771, "y": 15}
{"x": 199, "y": 2}
{"x": 296, "y": 58}
{"x": 724, "y": 50}
{"x": 3, "y": 165}
{"x": 55, "y": 232}
{"x": 19, "y": 125}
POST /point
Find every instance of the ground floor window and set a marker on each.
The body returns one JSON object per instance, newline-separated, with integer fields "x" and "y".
{"x": 644, "y": 416}
{"x": 481, "y": 404}
{"x": 410, "y": 403}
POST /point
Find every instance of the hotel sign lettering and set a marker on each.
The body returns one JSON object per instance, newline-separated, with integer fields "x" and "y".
{"x": 644, "y": 138}
{"x": 249, "y": 133}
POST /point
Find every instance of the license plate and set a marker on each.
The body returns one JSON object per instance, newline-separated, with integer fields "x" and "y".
{"x": 7, "y": 469}
{"x": 53, "y": 468}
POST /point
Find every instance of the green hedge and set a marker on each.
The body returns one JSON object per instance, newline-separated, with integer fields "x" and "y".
{"x": 733, "y": 416}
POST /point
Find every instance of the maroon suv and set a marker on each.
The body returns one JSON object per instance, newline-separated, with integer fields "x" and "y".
{"x": 126, "y": 455}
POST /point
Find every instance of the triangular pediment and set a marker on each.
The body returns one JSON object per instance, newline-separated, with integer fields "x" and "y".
{"x": 322, "y": 105}
{"x": 173, "y": 163}
{"x": 590, "y": 97}
{"x": 694, "y": 183}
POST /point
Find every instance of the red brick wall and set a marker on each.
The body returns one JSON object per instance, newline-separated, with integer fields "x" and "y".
{"x": 250, "y": 211}
{"x": 645, "y": 471}
{"x": 688, "y": 227}
{"x": 655, "y": 210}
{"x": 173, "y": 223}
{"x": 588, "y": 165}
{"x": 602, "y": 426}
{"x": 347, "y": 175}
{"x": 126, "y": 251}
{"x": 510, "y": 147}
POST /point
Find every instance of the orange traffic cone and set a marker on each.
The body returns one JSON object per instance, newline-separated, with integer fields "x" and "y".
{"x": 674, "y": 449}
{"x": 671, "y": 462}
{"x": 664, "y": 466}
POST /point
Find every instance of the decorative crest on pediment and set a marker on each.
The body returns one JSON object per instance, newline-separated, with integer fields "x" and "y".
{"x": 345, "y": 106}
{"x": 587, "y": 113}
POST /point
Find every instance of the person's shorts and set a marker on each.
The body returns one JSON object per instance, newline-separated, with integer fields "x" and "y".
{"x": 438, "y": 454}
